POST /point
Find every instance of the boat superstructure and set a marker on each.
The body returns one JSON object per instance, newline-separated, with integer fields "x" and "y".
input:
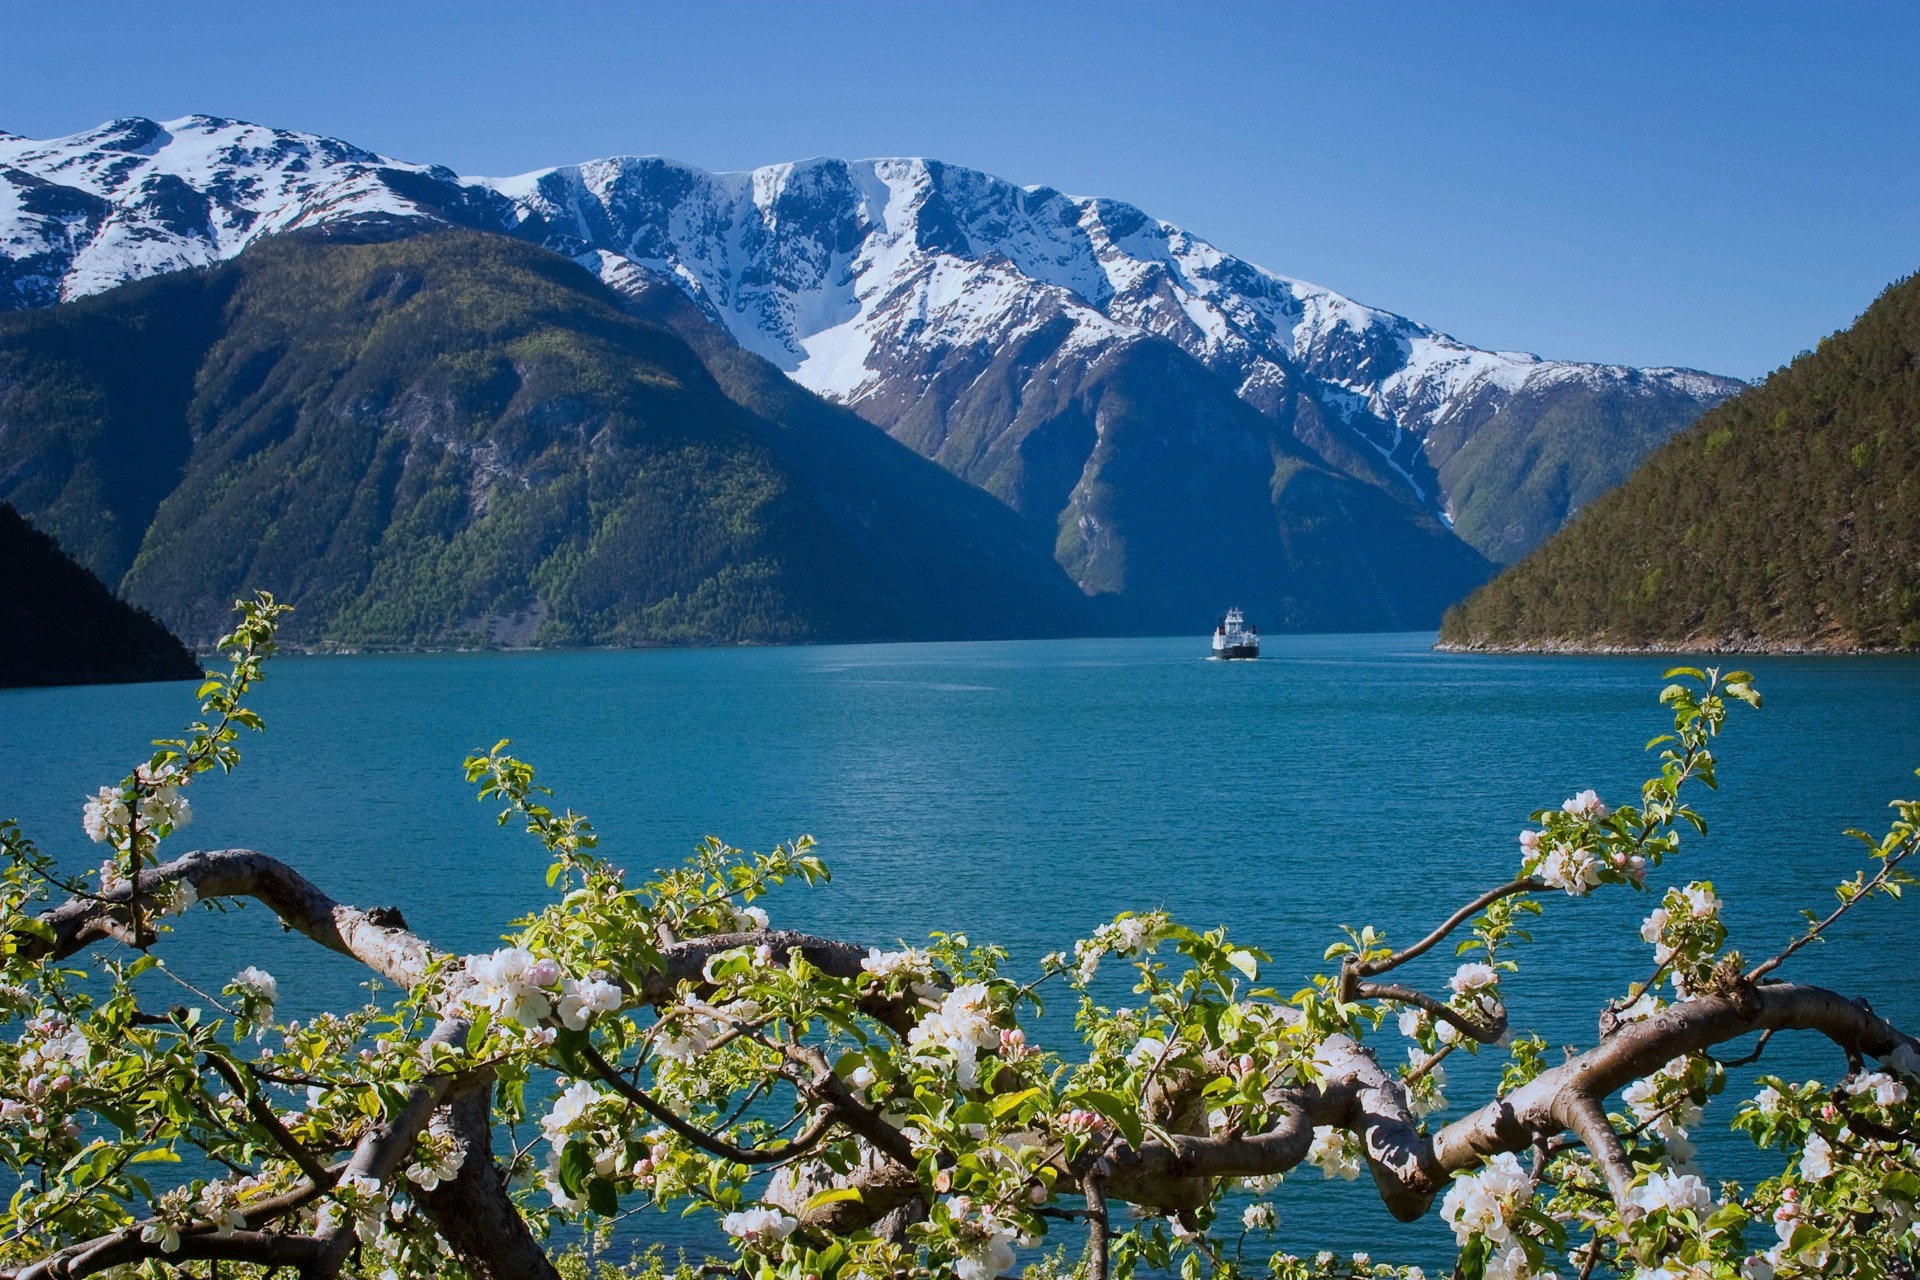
{"x": 1234, "y": 638}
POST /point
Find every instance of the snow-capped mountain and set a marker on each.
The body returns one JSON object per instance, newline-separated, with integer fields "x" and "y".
{"x": 941, "y": 303}
{"x": 835, "y": 269}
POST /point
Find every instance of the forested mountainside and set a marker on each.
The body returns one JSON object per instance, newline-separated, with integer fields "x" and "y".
{"x": 459, "y": 438}
{"x": 60, "y": 625}
{"x": 1786, "y": 518}
{"x": 1162, "y": 492}
{"x": 939, "y": 302}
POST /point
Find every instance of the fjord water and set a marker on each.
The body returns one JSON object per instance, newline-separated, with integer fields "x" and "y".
{"x": 1025, "y": 791}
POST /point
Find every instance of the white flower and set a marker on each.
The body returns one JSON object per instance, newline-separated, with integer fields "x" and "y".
{"x": 1448, "y": 1033}
{"x": 219, "y": 1204}
{"x": 749, "y": 919}
{"x": 1904, "y": 1060}
{"x": 1335, "y": 1152}
{"x": 910, "y": 962}
{"x": 1816, "y": 1158}
{"x": 104, "y": 817}
{"x": 1671, "y": 1192}
{"x": 504, "y": 983}
{"x": 1530, "y": 841}
{"x": 259, "y": 983}
{"x": 1768, "y": 1101}
{"x": 1643, "y": 1098}
{"x": 1701, "y": 902}
{"x": 962, "y": 1026}
{"x": 1483, "y": 1202}
{"x": 1259, "y": 1217}
{"x": 1886, "y": 1091}
{"x": 862, "y": 1076}
{"x": 580, "y": 1000}
{"x": 1643, "y": 1006}
{"x": 1473, "y": 976}
{"x": 1146, "y": 1051}
{"x": 165, "y": 1233}
{"x": 1511, "y": 1265}
{"x": 1412, "y": 1022}
{"x": 1756, "y": 1267}
{"x": 1586, "y": 805}
{"x": 986, "y": 1243}
{"x": 1131, "y": 934}
{"x": 758, "y": 1225}
{"x": 175, "y": 897}
{"x": 1570, "y": 868}
{"x": 680, "y": 1048}
{"x": 164, "y": 806}
{"x": 1653, "y": 930}
{"x": 568, "y": 1108}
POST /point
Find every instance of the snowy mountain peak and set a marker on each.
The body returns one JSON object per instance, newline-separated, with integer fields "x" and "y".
{"x": 864, "y": 280}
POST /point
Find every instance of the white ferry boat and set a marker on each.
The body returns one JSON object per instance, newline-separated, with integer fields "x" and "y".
{"x": 1233, "y": 638}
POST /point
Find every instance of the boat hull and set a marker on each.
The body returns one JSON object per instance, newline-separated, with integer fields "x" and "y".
{"x": 1238, "y": 651}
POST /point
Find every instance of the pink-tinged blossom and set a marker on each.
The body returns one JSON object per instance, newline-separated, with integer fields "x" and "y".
{"x": 758, "y": 1226}
{"x": 581, "y": 1000}
{"x": 1484, "y": 1202}
{"x": 1473, "y": 976}
{"x": 1671, "y": 1192}
{"x": 1586, "y": 805}
{"x": 1816, "y": 1158}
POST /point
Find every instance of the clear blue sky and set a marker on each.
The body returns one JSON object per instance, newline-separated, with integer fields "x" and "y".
{"x": 1713, "y": 185}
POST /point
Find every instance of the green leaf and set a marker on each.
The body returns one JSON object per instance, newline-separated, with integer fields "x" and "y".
{"x": 1009, "y": 1102}
{"x": 602, "y": 1197}
{"x": 833, "y": 1195}
{"x": 576, "y": 1166}
{"x": 1120, "y": 1112}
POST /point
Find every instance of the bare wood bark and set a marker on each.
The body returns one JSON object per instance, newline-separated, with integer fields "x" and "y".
{"x": 1094, "y": 1188}
{"x": 378, "y": 938}
{"x": 473, "y": 1211}
{"x": 1588, "y": 1120}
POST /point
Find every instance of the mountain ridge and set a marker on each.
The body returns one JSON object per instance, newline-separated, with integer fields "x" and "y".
{"x": 861, "y": 280}
{"x": 457, "y": 439}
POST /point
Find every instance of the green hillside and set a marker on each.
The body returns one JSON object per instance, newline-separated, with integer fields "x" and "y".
{"x": 461, "y": 439}
{"x": 1787, "y": 517}
{"x": 59, "y": 625}
{"x": 1513, "y": 476}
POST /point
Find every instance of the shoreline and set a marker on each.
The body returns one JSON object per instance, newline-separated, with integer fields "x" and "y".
{"x": 1709, "y": 648}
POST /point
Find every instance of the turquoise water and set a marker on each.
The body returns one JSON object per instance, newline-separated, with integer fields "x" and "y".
{"x": 1024, "y": 792}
